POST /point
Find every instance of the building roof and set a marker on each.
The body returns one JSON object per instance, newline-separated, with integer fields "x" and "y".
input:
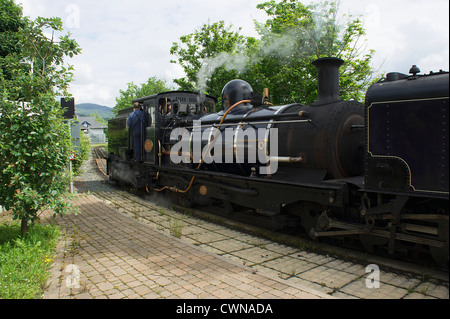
{"x": 89, "y": 122}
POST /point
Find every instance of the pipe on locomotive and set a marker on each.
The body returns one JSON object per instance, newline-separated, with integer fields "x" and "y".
{"x": 175, "y": 189}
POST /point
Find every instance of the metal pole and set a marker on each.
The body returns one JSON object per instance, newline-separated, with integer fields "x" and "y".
{"x": 71, "y": 179}
{"x": 70, "y": 159}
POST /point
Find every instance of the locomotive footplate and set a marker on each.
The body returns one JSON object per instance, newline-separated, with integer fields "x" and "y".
{"x": 256, "y": 193}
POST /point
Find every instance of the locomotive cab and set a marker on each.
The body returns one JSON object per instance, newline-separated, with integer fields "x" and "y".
{"x": 160, "y": 110}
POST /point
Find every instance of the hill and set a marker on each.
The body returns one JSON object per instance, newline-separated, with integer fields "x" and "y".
{"x": 86, "y": 109}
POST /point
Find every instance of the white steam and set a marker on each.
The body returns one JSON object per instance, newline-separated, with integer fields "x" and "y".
{"x": 238, "y": 62}
{"x": 297, "y": 42}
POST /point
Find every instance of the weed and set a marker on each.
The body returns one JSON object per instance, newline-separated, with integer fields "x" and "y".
{"x": 424, "y": 289}
{"x": 293, "y": 272}
{"x": 176, "y": 227}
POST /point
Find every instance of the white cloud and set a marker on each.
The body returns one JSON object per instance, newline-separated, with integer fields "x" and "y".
{"x": 84, "y": 72}
{"x": 92, "y": 93}
{"x": 403, "y": 32}
{"x": 125, "y": 41}
{"x": 429, "y": 62}
{"x": 32, "y": 8}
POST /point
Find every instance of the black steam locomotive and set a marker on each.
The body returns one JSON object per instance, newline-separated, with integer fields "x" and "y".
{"x": 336, "y": 168}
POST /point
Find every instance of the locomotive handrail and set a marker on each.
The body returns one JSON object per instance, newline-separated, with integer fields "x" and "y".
{"x": 250, "y": 123}
{"x": 244, "y": 118}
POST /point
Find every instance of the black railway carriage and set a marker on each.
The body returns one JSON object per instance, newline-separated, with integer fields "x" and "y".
{"x": 336, "y": 168}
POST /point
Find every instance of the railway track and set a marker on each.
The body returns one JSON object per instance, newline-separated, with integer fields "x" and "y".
{"x": 100, "y": 155}
{"x": 338, "y": 271}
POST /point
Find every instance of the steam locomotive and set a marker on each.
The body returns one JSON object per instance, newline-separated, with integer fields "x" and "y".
{"x": 338, "y": 169}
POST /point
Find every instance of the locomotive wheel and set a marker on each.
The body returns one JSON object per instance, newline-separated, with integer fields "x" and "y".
{"x": 440, "y": 256}
{"x": 369, "y": 242}
{"x": 308, "y": 212}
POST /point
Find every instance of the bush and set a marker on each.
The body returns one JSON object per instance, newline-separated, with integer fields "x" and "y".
{"x": 84, "y": 154}
{"x": 35, "y": 144}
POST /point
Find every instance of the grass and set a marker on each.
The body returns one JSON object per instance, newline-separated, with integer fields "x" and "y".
{"x": 25, "y": 260}
{"x": 176, "y": 227}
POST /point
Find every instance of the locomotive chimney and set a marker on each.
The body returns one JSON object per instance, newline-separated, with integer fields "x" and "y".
{"x": 327, "y": 80}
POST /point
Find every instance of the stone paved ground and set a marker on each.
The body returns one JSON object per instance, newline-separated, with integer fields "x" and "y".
{"x": 106, "y": 254}
{"x": 328, "y": 273}
{"x": 121, "y": 246}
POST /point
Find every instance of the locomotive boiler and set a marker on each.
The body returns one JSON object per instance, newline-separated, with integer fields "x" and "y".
{"x": 323, "y": 140}
{"x": 337, "y": 169}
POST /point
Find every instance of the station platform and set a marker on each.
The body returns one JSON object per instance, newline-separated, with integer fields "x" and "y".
{"x": 105, "y": 254}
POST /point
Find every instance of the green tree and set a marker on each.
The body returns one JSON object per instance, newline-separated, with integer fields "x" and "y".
{"x": 292, "y": 37}
{"x": 295, "y": 35}
{"x": 99, "y": 119}
{"x": 209, "y": 57}
{"x": 133, "y": 91}
{"x": 34, "y": 141}
{"x": 11, "y": 20}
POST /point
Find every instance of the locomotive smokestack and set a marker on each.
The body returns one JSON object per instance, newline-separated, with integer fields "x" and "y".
{"x": 327, "y": 80}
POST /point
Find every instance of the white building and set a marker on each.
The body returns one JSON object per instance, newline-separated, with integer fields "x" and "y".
{"x": 94, "y": 129}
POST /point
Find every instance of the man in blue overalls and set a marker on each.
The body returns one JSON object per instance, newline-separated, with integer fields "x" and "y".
{"x": 135, "y": 123}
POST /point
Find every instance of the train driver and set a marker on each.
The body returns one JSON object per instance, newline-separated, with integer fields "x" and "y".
{"x": 169, "y": 108}
{"x": 136, "y": 122}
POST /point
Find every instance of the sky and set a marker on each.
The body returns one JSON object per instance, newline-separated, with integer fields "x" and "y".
{"x": 130, "y": 41}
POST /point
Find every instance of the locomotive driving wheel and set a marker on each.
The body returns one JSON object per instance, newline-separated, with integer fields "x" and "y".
{"x": 440, "y": 256}
{"x": 308, "y": 212}
{"x": 370, "y": 242}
